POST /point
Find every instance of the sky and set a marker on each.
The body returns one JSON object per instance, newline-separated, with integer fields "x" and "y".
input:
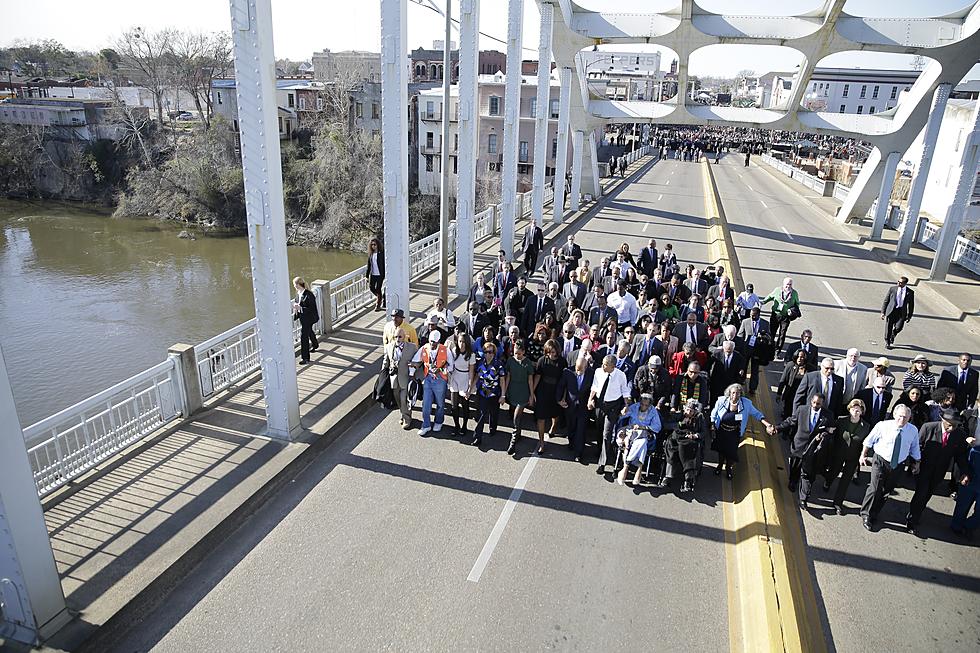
{"x": 304, "y": 26}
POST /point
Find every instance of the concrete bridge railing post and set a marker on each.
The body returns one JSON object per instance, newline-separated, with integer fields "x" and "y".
{"x": 188, "y": 395}
{"x": 321, "y": 290}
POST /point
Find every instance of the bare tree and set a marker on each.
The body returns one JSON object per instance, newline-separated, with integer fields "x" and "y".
{"x": 148, "y": 55}
{"x": 197, "y": 60}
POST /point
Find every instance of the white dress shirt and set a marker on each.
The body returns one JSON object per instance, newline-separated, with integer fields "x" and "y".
{"x": 375, "y": 272}
{"x": 883, "y": 436}
{"x": 625, "y": 306}
{"x": 618, "y": 385}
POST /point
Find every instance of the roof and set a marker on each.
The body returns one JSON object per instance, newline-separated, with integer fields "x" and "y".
{"x": 281, "y": 84}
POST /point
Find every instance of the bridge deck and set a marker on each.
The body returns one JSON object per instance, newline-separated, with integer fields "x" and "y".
{"x": 373, "y": 542}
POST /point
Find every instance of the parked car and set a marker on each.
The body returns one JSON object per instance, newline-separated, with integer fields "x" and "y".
{"x": 185, "y": 115}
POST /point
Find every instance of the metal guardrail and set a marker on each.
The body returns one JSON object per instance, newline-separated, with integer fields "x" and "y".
{"x": 72, "y": 441}
{"x": 841, "y": 191}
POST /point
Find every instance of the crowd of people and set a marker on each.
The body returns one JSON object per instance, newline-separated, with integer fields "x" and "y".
{"x": 657, "y": 364}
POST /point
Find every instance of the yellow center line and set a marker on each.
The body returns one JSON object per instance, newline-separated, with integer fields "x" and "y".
{"x": 771, "y": 601}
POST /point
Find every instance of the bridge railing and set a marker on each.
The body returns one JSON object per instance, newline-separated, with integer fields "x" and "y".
{"x": 71, "y": 442}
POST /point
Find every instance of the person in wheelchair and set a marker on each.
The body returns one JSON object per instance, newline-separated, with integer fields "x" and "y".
{"x": 684, "y": 448}
{"x": 638, "y": 429}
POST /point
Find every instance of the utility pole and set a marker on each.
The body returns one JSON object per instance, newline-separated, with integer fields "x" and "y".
{"x": 444, "y": 190}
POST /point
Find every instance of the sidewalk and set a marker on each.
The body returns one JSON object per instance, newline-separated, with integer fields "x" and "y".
{"x": 128, "y": 531}
{"x": 961, "y": 290}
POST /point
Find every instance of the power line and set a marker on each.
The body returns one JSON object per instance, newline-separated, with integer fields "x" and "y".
{"x": 435, "y": 9}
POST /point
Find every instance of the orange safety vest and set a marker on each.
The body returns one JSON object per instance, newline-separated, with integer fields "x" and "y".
{"x": 441, "y": 363}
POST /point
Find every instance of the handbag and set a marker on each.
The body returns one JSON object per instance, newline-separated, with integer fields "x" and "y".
{"x": 794, "y": 313}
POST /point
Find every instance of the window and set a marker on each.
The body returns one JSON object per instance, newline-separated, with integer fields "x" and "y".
{"x": 319, "y": 104}
{"x": 235, "y": 123}
{"x": 494, "y": 105}
{"x": 492, "y": 144}
{"x": 554, "y": 108}
{"x": 375, "y": 110}
{"x": 455, "y": 163}
{"x": 428, "y": 163}
{"x": 847, "y": 87}
{"x": 302, "y": 104}
{"x": 456, "y": 142}
{"x": 280, "y": 124}
{"x": 842, "y": 107}
{"x": 522, "y": 152}
{"x": 864, "y": 91}
{"x": 290, "y": 100}
{"x": 871, "y": 109}
{"x": 814, "y": 89}
{"x": 429, "y": 140}
{"x": 874, "y": 92}
{"x": 219, "y": 97}
{"x": 554, "y": 148}
{"x": 534, "y": 107}
{"x": 430, "y": 109}
{"x": 894, "y": 92}
{"x": 860, "y": 108}
{"x": 359, "y": 109}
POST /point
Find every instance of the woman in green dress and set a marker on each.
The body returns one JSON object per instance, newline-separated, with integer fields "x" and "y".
{"x": 519, "y": 369}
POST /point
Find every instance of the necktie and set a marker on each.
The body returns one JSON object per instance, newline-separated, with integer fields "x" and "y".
{"x": 945, "y": 437}
{"x": 877, "y": 411}
{"x": 728, "y": 361}
{"x": 826, "y": 387}
{"x": 896, "y": 449}
{"x": 963, "y": 377}
{"x": 540, "y": 307}
{"x": 813, "y": 420}
{"x": 690, "y": 334}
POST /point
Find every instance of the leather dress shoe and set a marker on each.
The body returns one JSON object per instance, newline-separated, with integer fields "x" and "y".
{"x": 869, "y": 526}
{"x": 839, "y": 509}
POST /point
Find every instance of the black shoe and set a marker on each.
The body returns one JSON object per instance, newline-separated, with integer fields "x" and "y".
{"x": 730, "y": 474}
{"x": 512, "y": 449}
{"x": 961, "y": 532}
{"x": 600, "y": 470}
{"x": 869, "y": 526}
{"x": 888, "y": 345}
{"x": 839, "y": 509}
{"x": 909, "y": 527}
{"x": 718, "y": 470}
{"x": 826, "y": 486}
{"x": 477, "y": 441}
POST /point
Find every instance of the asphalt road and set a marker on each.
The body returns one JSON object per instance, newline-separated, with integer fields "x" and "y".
{"x": 932, "y": 580}
{"x": 378, "y": 544}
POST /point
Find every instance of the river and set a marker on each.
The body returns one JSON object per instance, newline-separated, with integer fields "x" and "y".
{"x": 87, "y": 300}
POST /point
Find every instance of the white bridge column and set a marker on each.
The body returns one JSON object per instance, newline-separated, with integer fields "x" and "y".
{"x": 512, "y": 126}
{"x": 594, "y": 166}
{"x": 884, "y": 195}
{"x": 543, "y": 112}
{"x": 258, "y": 118}
{"x": 394, "y": 146}
{"x": 561, "y": 158}
{"x": 469, "y": 25}
{"x": 929, "y": 138}
{"x": 33, "y": 601}
{"x": 954, "y": 215}
{"x": 578, "y": 145}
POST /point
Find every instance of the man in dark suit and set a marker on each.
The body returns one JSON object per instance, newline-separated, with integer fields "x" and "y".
{"x": 649, "y": 260}
{"x": 534, "y": 310}
{"x": 646, "y": 345}
{"x": 691, "y": 331}
{"x": 876, "y": 400}
{"x": 574, "y": 289}
{"x": 897, "y": 309}
{"x": 304, "y": 309}
{"x": 940, "y": 442}
{"x": 503, "y": 282}
{"x": 600, "y": 272}
{"x": 532, "y": 244}
{"x": 567, "y": 342}
{"x": 696, "y": 284}
{"x": 722, "y": 290}
{"x": 677, "y": 292}
{"x": 603, "y": 314}
{"x": 962, "y": 379}
{"x": 475, "y": 319}
{"x": 517, "y": 298}
{"x": 751, "y": 331}
{"x": 624, "y": 361}
{"x": 572, "y": 250}
{"x": 728, "y": 332}
{"x": 812, "y": 428}
{"x": 823, "y": 382}
{"x": 573, "y": 396}
{"x": 805, "y": 343}
{"x": 725, "y": 367}
{"x": 561, "y": 273}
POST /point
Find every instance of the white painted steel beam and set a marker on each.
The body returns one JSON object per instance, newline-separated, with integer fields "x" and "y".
{"x": 30, "y": 588}
{"x": 594, "y": 165}
{"x": 258, "y": 119}
{"x": 921, "y": 175}
{"x": 394, "y": 126}
{"x": 561, "y": 159}
{"x": 512, "y": 124}
{"x": 469, "y": 26}
{"x": 884, "y": 195}
{"x": 444, "y": 185}
{"x": 542, "y": 113}
{"x": 953, "y": 221}
{"x": 578, "y": 153}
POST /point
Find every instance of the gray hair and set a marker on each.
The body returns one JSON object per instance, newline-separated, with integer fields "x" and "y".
{"x": 902, "y": 407}
{"x": 609, "y": 359}
{"x": 732, "y": 388}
